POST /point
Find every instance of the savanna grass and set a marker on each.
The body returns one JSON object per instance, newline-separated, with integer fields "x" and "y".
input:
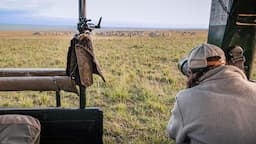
{"x": 141, "y": 74}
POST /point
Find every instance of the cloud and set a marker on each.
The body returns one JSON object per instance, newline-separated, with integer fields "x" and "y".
{"x": 43, "y": 8}
{"x": 127, "y": 12}
{"x": 18, "y": 4}
{"x": 41, "y": 12}
{"x": 60, "y": 8}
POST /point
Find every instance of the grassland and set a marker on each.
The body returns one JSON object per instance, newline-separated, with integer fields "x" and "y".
{"x": 141, "y": 73}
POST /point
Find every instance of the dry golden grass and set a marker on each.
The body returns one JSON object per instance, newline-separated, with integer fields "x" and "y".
{"x": 141, "y": 73}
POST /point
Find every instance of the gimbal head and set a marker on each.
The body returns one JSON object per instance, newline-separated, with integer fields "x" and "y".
{"x": 85, "y": 25}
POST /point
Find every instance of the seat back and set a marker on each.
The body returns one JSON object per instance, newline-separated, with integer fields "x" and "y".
{"x": 66, "y": 126}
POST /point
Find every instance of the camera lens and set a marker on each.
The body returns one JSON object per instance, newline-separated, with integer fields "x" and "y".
{"x": 183, "y": 66}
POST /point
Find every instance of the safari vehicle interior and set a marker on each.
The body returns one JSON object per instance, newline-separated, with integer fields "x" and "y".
{"x": 62, "y": 125}
{"x": 232, "y": 22}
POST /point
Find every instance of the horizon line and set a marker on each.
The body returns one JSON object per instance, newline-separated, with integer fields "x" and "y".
{"x": 36, "y": 27}
{"x": 70, "y": 27}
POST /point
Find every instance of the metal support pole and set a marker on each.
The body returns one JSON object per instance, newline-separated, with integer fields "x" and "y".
{"x": 82, "y": 8}
{"x": 82, "y": 89}
{"x": 82, "y": 95}
{"x": 58, "y": 103}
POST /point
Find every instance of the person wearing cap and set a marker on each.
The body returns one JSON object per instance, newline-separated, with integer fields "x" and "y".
{"x": 19, "y": 129}
{"x": 235, "y": 56}
{"x": 218, "y": 106}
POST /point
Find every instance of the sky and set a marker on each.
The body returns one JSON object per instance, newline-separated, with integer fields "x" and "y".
{"x": 115, "y": 13}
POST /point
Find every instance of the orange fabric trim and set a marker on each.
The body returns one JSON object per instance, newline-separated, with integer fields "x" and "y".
{"x": 215, "y": 63}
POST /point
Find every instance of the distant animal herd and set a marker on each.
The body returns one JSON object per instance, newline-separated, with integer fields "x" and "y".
{"x": 149, "y": 33}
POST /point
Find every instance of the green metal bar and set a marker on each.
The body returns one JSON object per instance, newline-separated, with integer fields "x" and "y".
{"x": 58, "y": 103}
{"x": 236, "y": 28}
{"x": 82, "y": 95}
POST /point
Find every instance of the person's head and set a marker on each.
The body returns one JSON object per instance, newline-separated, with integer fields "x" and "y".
{"x": 235, "y": 56}
{"x": 202, "y": 59}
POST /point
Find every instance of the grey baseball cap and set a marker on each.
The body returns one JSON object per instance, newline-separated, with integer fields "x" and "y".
{"x": 199, "y": 56}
